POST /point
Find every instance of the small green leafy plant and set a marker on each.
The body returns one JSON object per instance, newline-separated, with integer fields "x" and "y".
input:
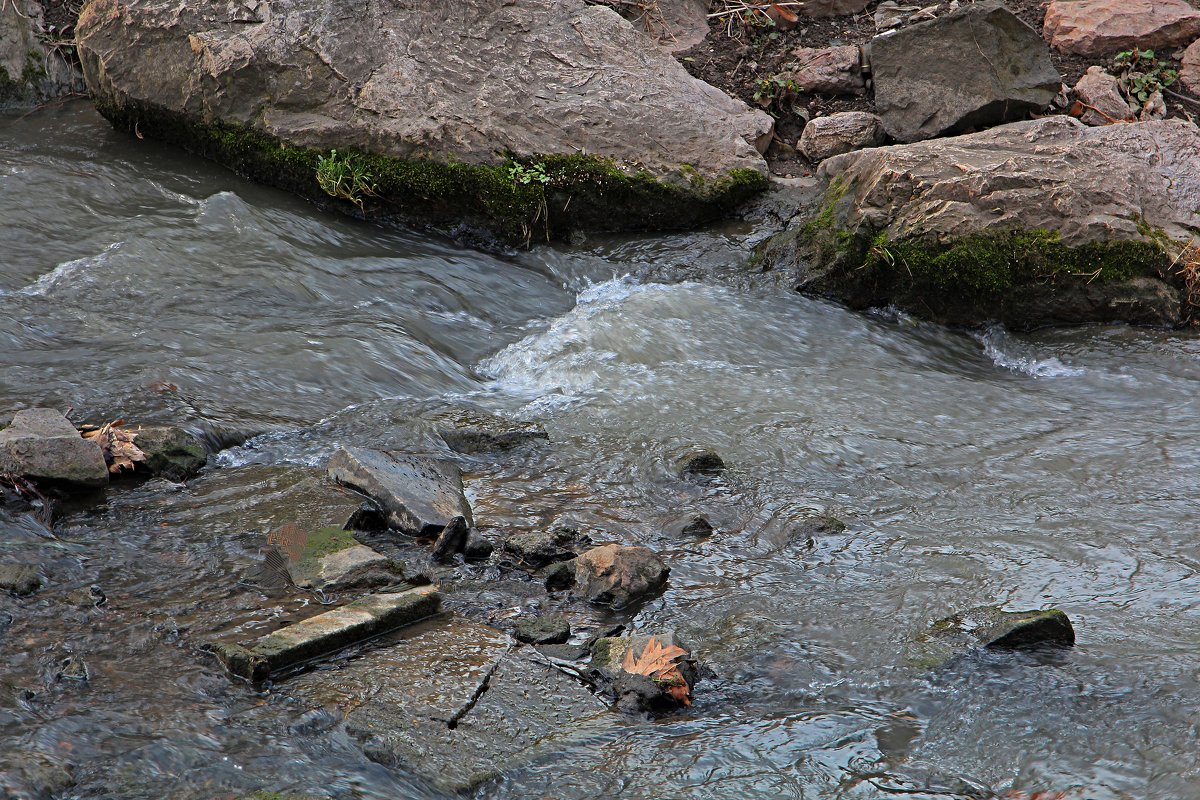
{"x": 775, "y": 94}
{"x": 345, "y": 176}
{"x": 1141, "y": 74}
{"x": 526, "y": 174}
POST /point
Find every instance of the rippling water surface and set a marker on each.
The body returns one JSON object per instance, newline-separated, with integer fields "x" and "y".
{"x": 977, "y": 469}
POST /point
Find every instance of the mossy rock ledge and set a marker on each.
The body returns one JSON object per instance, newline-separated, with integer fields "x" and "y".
{"x": 529, "y": 120}
{"x": 1032, "y": 224}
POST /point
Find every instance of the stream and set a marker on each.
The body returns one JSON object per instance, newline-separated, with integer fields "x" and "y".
{"x": 1053, "y": 469}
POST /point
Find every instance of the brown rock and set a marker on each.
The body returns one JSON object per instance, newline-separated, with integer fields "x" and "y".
{"x": 1101, "y": 94}
{"x": 828, "y": 70}
{"x": 1189, "y": 70}
{"x": 840, "y": 133}
{"x": 1103, "y": 27}
{"x": 618, "y": 575}
{"x": 678, "y": 25}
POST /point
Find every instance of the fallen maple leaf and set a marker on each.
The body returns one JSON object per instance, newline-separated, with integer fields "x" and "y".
{"x": 117, "y": 443}
{"x": 659, "y": 664}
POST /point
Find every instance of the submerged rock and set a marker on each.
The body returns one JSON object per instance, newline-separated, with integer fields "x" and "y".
{"x": 992, "y": 628}
{"x": 1035, "y": 223}
{"x": 549, "y": 629}
{"x": 420, "y": 495}
{"x": 20, "y": 579}
{"x": 41, "y": 444}
{"x": 701, "y": 463}
{"x": 618, "y": 575}
{"x": 452, "y": 703}
{"x": 539, "y": 548}
{"x": 696, "y": 526}
{"x": 607, "y": 133}
{"x": 1103, "y": 27}
{"x": 327, "y": 633}
{"x": 559, "y": 576}
{"x": 975, "y": 67}
{"x": 472, "y": 432}
{"x": 171, "y": 451}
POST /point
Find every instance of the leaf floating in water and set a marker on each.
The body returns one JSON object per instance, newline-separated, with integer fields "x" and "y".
{"x": 117, "y": 443}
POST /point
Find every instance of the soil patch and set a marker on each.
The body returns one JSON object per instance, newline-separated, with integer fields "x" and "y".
{"x": 741, "y": 57}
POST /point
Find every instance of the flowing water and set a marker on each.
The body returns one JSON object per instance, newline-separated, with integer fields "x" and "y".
{"x": 1054, "y": 469}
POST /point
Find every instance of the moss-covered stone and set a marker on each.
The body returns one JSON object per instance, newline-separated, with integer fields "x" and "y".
{"x": 23, "y": 88}
{"x": 518, "y": 199}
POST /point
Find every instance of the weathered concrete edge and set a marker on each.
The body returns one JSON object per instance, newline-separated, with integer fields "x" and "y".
{"x": 579, "y": 192}
{"x": 353, "y": 623}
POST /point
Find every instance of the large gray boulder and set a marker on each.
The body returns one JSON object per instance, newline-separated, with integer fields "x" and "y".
{"x": 1035, "y": 223}
{"x": 543, "y": 115}
{"x": 976, "y": 67}
{"x": 42, "y": 445}
{"x": 419, "y": 495}
{"x": 31, "y": 70}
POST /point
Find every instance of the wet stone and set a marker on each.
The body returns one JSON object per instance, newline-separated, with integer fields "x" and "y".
{"x": 538, "y": 548}
{"x": 619, "y": 575}
{"x": 333, "y": 560}
{"x": 474, "y": 432}
{"x": 560, "y": 576}
{"x": 988, "y": 627}
{"x": 705, "y": 463}
{"x": 171, "y": 452}
{"x": 635, "y": 692}
{"x": 696, "y": 526}
{"x": 327, "y": 633}
{"x": 20, "y": 579}
{"x": 451, "y": 702}
{"x": 367, "y": 518}
{"x": 419, "y": 495}
{"x": 808, "y": 529}
{"x": 550, "y": 629}
{"x": 452, "y": 540}
{"x": 41, "y": 444}
{"x": 477, "y": 547}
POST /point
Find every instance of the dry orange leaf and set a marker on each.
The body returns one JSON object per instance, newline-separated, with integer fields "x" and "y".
{"x": 117, "y": 443}
{"x": 658, "y": 663}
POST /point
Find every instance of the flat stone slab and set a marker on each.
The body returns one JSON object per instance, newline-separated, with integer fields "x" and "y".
{"x": 42, "y": 445}
{"x": 327, "y": 633}
{"x": 331, "y": 559}
{"x": 419, "y": 495}
{"x": 456, "y": 703}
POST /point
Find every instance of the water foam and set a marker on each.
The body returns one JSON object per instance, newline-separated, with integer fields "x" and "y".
{"x": 69, "y": 270}
{"x": 1010, "y": 354}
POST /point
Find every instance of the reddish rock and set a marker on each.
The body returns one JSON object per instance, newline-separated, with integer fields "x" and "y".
{"x": 1104, "y": 27}
{"x": 1189, "y": 71}
{"x": 1101, "y": 95}
{"x": 618, "y": 575}
{"x": 828, "y": 70}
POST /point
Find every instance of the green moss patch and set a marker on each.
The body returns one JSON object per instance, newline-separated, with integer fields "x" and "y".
{"x": 323, "y": 542}
{"x": 516, "y": 199}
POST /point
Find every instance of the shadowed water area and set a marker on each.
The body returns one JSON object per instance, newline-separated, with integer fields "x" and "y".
{"x": 1054, "y": 469}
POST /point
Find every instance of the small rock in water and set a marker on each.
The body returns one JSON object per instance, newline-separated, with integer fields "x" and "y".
{"x": 988, "y": 627}
{"x": 171, "y": 452}
{"x": 20, "y": 579}
{"x": 809, "y": 528}
{"x": 420, "y": 495}
{"x": 648, "y": 673}
{"x": 41, "y": 444}
{"x": 73, "y": 668}
{"x": 560, "y": 576}
{"x": 697, "y": 526}
{"x": 704, "y": 463}
{"x": 473, "y": 432}
{"x": 452, "y": 539}
{"x": 550, "y": 629}
{"x": 477, "y": 548}
{"x": 618, "y": 575}
{"x": 537, "y": 549}
{"x": 331, "y": 559}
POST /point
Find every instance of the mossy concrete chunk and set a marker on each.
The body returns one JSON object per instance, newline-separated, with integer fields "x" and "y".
{"x": 328, "y": 633}
{"x": 171, "y": 451}
{"x": 989, "y": 627}
{"x": 419, "y": 495}
{"x": 42, "y": 445}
